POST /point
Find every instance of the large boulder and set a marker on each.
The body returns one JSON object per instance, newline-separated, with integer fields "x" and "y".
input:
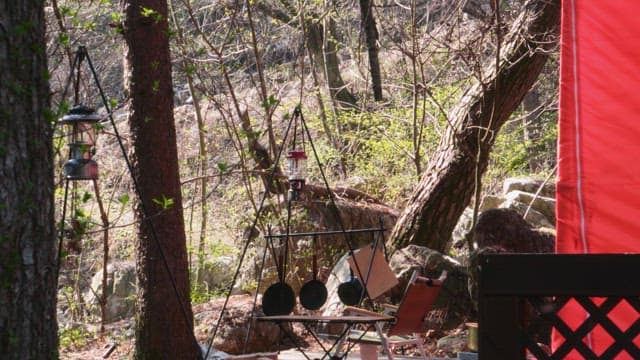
{"x": 426, "y": 261}
{"x": 534, "y": 217}
{"x": 215, "y": 272}
{"x": 545, "y": 205}
{"x": 506, "y": 229}
{"x": 234, "y": 325}
{"x": 121, "y": 291}
{"x": 529, "y": 185}
{"x": 539, "y": 211}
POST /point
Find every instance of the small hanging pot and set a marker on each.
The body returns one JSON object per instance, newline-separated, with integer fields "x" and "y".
{"x": 351, "y": 291}
{"x": 279, "y": 298}
{"x": 313, "y": 293}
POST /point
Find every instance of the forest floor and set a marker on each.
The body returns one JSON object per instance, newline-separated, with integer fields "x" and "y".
{"x": 117, "y": 343}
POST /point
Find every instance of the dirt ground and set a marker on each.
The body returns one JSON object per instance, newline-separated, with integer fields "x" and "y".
{"x": 117, "y": 343}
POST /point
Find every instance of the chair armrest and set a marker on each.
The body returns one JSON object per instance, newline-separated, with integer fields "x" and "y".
{"x": 389, "y": 309}
{"x": 431, "y": 282}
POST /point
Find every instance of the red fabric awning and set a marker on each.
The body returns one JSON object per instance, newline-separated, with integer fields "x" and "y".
{"x": 598, "y": 189}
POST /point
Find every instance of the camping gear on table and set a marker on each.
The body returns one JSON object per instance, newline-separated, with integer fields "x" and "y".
{"x": 279, "y": 298}
{"x": 313, "y": 293}
{"x": 351, "y": 291}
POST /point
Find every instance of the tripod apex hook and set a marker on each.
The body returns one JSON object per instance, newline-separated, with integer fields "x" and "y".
{"x": 81, "y": 53}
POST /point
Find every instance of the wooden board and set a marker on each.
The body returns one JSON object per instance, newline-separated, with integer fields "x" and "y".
{"x": 381, "y": 278}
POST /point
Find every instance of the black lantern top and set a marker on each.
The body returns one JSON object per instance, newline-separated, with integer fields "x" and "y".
{"x": 81, "y": 121}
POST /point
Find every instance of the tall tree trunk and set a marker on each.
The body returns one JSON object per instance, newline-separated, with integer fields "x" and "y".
{"x": 325, "y": 52}
{"x": 371, "y": 37}
{"x": 164, "y": 327}
{"x": 28, "y": 274}
{"x": 321, "y": 43}
{"x": 448, "y": 184}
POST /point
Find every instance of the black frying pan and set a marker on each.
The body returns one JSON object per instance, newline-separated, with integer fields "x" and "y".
{"x": 313, "y": 293}
{"x": 279, "y": 298}
{"x": 351, "y": 292}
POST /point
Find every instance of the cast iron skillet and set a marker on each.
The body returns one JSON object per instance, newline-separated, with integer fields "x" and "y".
{"x": 279, "y": 298}
{"x": 351, "y": 292}
{"x": 313, "y": 293}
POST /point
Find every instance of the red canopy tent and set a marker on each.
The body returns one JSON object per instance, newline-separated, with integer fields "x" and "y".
{"x": 598, "y": 189}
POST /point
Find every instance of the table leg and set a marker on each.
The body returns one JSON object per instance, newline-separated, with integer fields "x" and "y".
{"x": 293, "y": 339}
{"x": 336, "y": 344}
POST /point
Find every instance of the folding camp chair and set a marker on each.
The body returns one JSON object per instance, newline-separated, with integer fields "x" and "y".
{"x": 409, "y": 324}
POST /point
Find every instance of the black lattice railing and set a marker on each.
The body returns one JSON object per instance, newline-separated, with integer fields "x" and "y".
{"x": 522, "y": 295}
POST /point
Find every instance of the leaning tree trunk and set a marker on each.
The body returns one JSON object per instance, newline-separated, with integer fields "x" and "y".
{"x": 28, "y": 274}
{"x": 448, "y": 184}
{"x": 164, "y": 327}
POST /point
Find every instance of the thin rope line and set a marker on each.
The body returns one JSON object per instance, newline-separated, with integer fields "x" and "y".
{"x": 61, "y": 227}
{"x": 76, "y": 59}
{"x": 245, "y": 344}
{"x": 334, "y": 206}
{"x": 143, "y": 207}
{"x": 246, "y": 245}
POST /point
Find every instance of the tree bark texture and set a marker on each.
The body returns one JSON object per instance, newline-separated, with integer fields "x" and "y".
{"x": 448, "y": 184}
{"x": 371, "y": 38}
{"x": 164, "y": 328}
{"x": 28, "y": 274}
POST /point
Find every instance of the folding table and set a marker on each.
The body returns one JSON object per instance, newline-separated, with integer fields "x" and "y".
{"x": 332, "y": 352}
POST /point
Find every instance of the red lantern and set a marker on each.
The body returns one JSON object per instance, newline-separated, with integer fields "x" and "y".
{"x": 297, "y": 161}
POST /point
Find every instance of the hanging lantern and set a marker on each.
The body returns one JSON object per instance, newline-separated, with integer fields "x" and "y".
{"x": 81, "y": 129}
{"x": 297, "y": 160}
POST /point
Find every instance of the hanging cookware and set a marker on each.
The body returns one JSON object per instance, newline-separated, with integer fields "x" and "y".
{"x": 279, "y": 298}
{"x": 313, "y": 293}
{"x": 351, "y": 292}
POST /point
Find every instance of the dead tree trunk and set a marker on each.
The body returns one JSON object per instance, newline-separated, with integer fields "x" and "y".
{"x": 448, "y": 184}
